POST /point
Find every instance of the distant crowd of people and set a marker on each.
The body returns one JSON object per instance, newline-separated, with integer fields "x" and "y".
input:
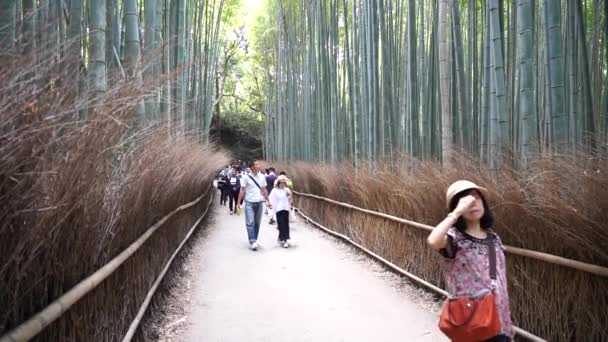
{"x": 249, "y": 187}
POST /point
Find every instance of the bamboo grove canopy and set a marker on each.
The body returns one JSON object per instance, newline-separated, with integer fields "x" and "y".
{"x": 169, "y": 47}
{"x": 368, "y": 79}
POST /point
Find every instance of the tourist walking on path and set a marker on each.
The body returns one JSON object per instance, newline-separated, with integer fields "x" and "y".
{"x": 253, "y": 190}
{"x": 223, "y": 186}
{"x": 473, "y": 257}
{"x": 280, "y": 199}
{"x": 235, "y": 188}
{"x": 289, "y": 182}
{"x": 270, "y": 179}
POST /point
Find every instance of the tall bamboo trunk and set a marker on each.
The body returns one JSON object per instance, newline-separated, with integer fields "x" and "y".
{"x": 180, "y": 59}
{"x": 97, "y": 48}
{"x": 530, "y": 144}
{"x": 150, "y": 56}
{"x": 29, "y": 26}
{"x": 7, "y": 27}
{"x": 474, "y": 85}
{"x": 444, "y": 79}
{"x": 555, "y": 75}
{"x": 499, "y": 122}
{"x": 413, "y": 86}
{"x": 133, "y": 52}
{"x": 589, "y": 118}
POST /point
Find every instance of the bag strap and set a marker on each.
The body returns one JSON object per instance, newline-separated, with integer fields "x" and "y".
{"x": 256, "y": 183}
{"x": 492, "y": 256}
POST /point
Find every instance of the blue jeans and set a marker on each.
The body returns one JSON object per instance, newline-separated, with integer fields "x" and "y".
{"x": 253, "y": 217}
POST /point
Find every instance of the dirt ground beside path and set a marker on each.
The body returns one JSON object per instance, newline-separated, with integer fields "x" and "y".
{"x": 317, "y": 290}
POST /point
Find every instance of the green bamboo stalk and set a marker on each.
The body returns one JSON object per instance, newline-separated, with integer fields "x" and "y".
{"x": 460, "y": 85}
{"x": 180, "y": 62}
{"x": 43, "y": 25}
{"x": 486, "y": 101}
{"x": 589, "y": 118}
{"x": 434, "y": 100}
{"x": 75, "y": 30}
{"x": 150, "y": 75}
{"x": 474, "y": 84}
{"x": 444, "y": 76}
{"x": 530, "y": 144}
{"x": 423, "y": 67}
{"x": 133, "y": 52}
{"x": 510, "y": 74}
{"x": 8, "y": 26}
{"x": 96, "y": 55}
{"x": 111, "y": 9}
{"x": 166, "y": 98}
{"x": 500, "y": 124}
{"x": 413, "y": 78}
{"x": 555, "y": 75}
{"x": 159, "y": 41}
{"x": 570, "y": 87}
{"x": 29, "y": 26}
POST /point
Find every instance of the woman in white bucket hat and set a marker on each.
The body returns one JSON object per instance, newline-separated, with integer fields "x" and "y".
{"x": 464, "y": 238}
{"x": 280, "y": 198}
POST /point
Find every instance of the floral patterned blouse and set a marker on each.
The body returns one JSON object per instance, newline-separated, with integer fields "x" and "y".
{"x": 467, "y": 271}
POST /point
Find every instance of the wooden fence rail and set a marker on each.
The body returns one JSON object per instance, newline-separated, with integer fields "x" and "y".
{"x": 53, "y": 311}
{"x": 546, "y": 257}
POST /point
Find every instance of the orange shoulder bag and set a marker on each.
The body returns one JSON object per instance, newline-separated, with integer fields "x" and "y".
{"x": 473, "y": 318}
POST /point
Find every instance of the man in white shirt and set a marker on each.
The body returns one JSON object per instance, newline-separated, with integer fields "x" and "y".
{"x": 253, "y": 189}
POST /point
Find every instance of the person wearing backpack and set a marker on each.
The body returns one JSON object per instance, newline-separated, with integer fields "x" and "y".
{"x": 235, "y": 188}
{"x": 253, "y": 190}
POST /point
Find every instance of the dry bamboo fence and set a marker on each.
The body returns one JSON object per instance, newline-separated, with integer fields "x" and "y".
{"x": 53, "y": 311}
{"x": 543, "y": 257}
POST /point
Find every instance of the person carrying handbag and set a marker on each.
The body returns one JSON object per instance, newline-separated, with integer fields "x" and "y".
{"x": 474, "y": 268}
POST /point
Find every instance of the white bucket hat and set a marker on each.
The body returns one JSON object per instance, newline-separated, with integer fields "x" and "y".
{"x": 460, "y": 186}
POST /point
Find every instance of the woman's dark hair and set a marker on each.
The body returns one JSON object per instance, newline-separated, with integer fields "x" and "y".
{"x": 486, "y": 221}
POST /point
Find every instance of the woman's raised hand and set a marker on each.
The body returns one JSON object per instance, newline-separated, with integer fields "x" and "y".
{"x": 464, "y": 205}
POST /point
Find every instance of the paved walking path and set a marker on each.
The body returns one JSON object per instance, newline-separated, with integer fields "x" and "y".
{"x": 317, "y": 290}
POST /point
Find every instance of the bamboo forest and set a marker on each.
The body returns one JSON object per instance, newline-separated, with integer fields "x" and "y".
{"x": 362, "y": 80}
{"x": 411, "y": 155}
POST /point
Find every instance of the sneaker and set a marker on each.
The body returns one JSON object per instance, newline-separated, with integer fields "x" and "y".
{"x": 285, "y": 244}
{"x": 231, "y": 213}
{"x": 254, "y": 246}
